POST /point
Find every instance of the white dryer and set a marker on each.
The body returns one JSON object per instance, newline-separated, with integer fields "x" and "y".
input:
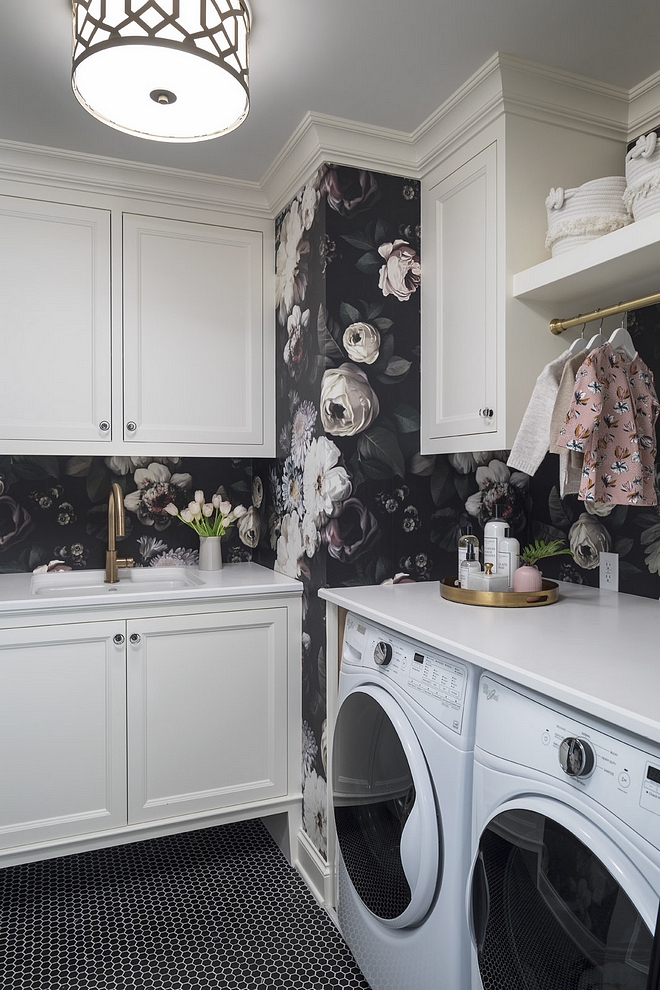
{"x": 401, "y": 789}
{"x": 565, "y": 884}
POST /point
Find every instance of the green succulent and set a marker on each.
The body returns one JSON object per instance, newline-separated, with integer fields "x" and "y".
{"x": 539, "y": 549}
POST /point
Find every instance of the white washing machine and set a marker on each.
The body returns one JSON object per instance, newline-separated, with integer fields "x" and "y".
{"x": 565, "y": 885}
{"x": 401, "y": 791}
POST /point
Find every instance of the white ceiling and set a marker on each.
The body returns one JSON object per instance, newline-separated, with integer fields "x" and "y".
{"x": 379, "y": 62}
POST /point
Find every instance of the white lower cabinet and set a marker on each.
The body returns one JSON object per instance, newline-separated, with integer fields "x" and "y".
{"x": 207, "y": 700}
{"x": 62, "y": 731}
{"x": 147, "y": 724}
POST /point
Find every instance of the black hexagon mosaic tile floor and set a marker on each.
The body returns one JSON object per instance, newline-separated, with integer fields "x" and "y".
{"x": 218, "y": 908}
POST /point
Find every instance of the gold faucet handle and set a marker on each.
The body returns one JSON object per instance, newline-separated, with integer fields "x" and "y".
{"x": 125, "y": 562}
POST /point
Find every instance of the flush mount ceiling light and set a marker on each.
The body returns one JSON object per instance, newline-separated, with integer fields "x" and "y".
{"x": 168, "y": 71}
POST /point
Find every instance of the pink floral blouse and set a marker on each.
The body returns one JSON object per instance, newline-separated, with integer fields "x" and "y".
{"x": 611, "y": 420}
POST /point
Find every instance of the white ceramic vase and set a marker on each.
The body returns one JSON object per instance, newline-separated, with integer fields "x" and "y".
{"x": 210, "y": 553}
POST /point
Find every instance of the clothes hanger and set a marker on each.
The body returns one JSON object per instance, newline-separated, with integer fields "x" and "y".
{"x": 578, "y": 344}
{"x": 598, "y": 339}
{"x": 622, "y": 341}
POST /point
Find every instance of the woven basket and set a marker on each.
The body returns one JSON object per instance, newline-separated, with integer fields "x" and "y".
{"x": 577, "y": 216}
{"x": 642, "y": 195}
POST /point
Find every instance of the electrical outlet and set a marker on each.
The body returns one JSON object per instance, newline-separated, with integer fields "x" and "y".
{"x": 609, "y": 571}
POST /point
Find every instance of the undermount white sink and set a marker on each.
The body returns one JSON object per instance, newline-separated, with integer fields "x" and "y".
{"x": 134, "y": 580}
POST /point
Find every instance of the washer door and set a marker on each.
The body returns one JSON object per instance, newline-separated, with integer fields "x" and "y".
{"x": 547, "y": 912}
{"x": 384, "y": 807}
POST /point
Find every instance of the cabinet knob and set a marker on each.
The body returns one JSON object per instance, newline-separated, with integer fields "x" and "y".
{"x": 131, "y": 426}
{"x": 104, "y": 426}
{"x": 487, "y": 413}
{"x": 118, "y": 639}
{"x": 134, "y": 637}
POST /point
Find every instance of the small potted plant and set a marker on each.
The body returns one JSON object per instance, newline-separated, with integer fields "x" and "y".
{"x": 528, "y": 577}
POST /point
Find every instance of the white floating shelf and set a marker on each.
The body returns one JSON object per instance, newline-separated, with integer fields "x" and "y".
{"x": 611, "y": 269}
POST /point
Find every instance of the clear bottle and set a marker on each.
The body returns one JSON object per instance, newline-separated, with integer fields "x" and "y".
{"x": 487, "y": 581}
{"x": 508, "y": 558}
{"x": 466, "y": 537}
{"x": 469, "y": 567}
{"x": 494, "y": 530}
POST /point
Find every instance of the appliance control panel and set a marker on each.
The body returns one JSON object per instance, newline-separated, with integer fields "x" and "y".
{"x": 436, "y": 681}
{"x": 614, "y": 772}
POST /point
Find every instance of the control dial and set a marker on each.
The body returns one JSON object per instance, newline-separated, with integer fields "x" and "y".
{"x": 576, "y": 757}
{"x": 382, "y": 654}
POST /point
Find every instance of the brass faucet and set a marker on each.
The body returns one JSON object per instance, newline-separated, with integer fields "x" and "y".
{"x": 115, "y": 528}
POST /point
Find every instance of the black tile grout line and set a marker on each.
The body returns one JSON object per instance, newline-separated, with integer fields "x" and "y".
{"x": 216, "y": 909}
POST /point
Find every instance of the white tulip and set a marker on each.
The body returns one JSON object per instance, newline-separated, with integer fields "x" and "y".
{"x": 172, "y": 509}
{"x": 216, "y": 501}
{"x": 187, "y": 515}
{"x": 194, "y": 508}
{"x": 199, "y": 496}
{"x": 239, "y": 512}
{"x": 207, "y": 509}
{"x": 224, "y": 508}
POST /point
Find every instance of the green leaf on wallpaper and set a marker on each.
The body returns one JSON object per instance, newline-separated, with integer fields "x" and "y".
{"x": 30, "y": 468}
{"x": 628, "y": 570}
{"x": 623, "y": 546}
{"x": 406, "y": 417}
{"x": 396, "y": 371}
{"x": 371, "y": 310}
{"x": 383, "y": 569}
{"x": 617, "y": 518}
{"x": 369, "y": 263}
{"x": 98, "y": 482}
{"x": 463, "y": 484}
{"x": 358, "y": 476}
{"x": 381, "y": 234}
{"x": 376, "y": 470}
{"x": 442, "y": 482}
{"x": 348, "y": 314}
{"x": 328, "y": 346}
{"x": 359, "y": 240}
{"x": 558, "y": 514}
{"x": 240, "y": 486}
{"x": 386, "y": 352}
{"x": 541, "y": 531}
{"x": 78, "y": 467}
{"x": 379, "y": 444}
{"x": 383, "y": 324}
{"x": 422, "y": 465}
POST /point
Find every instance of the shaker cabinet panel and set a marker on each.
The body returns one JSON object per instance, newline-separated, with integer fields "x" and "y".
{"x": 54, "y": 322}
{"x": 193, "y": 333}
{"x": 459, "y": 303}
{"x": 62, "y": 732}
{"x": 207, "y": 712}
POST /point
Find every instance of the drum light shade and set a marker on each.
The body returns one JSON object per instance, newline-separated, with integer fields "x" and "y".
{"x": 167, "y": 71}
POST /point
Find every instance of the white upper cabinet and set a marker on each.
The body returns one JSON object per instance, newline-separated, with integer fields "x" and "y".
{"x": 54, "y": 322}
{"x": 126, "y": 333}
{"x": 483, "y": 220}
{"x": 193, "y": 333}
{"x": 459, "y": 371}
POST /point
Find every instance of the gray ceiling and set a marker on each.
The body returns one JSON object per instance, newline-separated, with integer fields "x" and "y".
{"x": 379, "y": 62}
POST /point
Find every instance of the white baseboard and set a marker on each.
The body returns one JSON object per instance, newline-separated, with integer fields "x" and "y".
{"x": 315, "y": 871}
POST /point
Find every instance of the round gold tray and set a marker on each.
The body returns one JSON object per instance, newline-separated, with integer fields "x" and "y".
{"x": 499, "y": 599}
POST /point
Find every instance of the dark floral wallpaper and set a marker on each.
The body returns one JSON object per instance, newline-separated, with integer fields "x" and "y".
{"x": 350, "y": 500}
{"x": 55, "y": 508}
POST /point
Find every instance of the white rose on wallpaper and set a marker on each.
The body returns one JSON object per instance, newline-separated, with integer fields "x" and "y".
{"x": 588, "y": 538}
{"x": 315, "y": 817}
{"x": 401, "y": 274}
{"x": 311, "y": 535}
{"x": 326, "y": 485}
{"x": 249, "y": 528}
{"x": 362, "y": 343}
{"x": 257, "y": 491}
{"x": 348, "y": 403}
{"x": 599, "y": 508}
{"x": 290, "y": 548}
{"x": 291, "y": 263}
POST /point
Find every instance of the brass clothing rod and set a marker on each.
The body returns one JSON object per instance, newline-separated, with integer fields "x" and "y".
{"x": 558, "y": 326}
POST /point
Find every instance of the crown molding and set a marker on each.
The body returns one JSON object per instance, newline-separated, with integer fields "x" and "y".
{"x": 644, "y": 112}
{"x": 505, "y": 83}
{"x": 60, "y": 169}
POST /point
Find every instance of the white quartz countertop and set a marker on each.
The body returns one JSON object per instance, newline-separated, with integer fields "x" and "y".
{"x": 233, "y": 580}
{"x": 597, "y": 651}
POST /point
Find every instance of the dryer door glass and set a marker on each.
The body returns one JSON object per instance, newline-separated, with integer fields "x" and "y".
{"x": 548, "y": 915}
{"x": 374, "y": 775}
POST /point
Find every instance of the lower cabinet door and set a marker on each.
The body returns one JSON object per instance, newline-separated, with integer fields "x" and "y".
{"x": 207, "y": 712}
{"x": 62, "y": 731}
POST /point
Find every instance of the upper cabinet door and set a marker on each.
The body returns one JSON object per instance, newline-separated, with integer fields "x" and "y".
{"x": 54, "y": 321}
{"x": 460, "y": 304}
{"x": 194, "y": 342}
